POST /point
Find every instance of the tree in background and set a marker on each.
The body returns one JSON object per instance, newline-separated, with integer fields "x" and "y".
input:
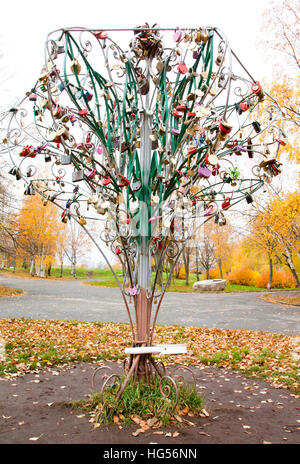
{"x": 37, "y": 226}
{"x": 274, "y": 231}
{"x": 75, "y": 244}
{"x": 281, "y": 41}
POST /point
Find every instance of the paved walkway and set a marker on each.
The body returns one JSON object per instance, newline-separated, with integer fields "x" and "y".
{"x": 53, "y": 299}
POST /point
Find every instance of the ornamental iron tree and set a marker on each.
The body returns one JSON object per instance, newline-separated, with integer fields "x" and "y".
{"x": 148, "y": 142}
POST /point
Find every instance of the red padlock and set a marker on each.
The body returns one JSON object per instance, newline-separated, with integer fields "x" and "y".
{"x": 106, "y": 181}
{"x": 215, "y": 169}
{"x": 181, "y": 108}
{"x": 226, "y": 203}
{"x": 101, "y": 34}
{"x": 83, "y": 112}
{"x": 224, "y": 127}
{"x": 256, "y": 88}
{"x": 177, "y": 114}
{"x": 244, "y": 106}
{"x": 91, "y": 174}
{"x": 182, "y": 68}
{"x": 125, "y": 181}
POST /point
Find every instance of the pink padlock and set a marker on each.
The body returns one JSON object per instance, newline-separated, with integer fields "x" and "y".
{"x": 177, "y": 35}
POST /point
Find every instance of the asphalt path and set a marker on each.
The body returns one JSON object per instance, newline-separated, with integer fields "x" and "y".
{"x": 72, "y": 300}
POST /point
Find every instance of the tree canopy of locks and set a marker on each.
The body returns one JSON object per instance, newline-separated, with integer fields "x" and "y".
{"x": 149, "y": 131}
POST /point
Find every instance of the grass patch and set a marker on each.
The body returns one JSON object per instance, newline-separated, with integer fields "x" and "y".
{"x": 292, "y": 299}
{"x": 142, "y": 402}
{"x": 9, "y": 291}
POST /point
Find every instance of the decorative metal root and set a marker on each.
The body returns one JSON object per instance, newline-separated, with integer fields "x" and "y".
{"x": 168, "y": 381}
{"x": 166, "y": 389}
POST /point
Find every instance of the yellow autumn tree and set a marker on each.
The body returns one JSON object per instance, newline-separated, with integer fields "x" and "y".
{"x": 275, "y": 231}
{"x": 38, "y": 229}
{"x": 281, "y": 42}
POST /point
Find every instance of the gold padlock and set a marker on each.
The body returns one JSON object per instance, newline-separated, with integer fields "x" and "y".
{"x": 75, "y": 67}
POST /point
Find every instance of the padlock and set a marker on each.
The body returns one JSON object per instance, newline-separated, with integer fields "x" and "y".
{"x": 82, "y": 221}
{"x": 249, "y": 148}
{"x": 177, "y": 114}
{"x": 91, "y": 174}
{"x": 106, "y": 181}
{"x": 78, "y": 176}
{"x": 125, "y": 181}
{"x": 182, "y": 68}
{"x": 102, "y": 35}
{"x": 209, "y": 210}
{"x": 136, "y": 185}
{"x": 249, "y": 198}
{"x": 226, "y": 203}
{"x": 65, "y": 159}
{"x": 75, "y": 67}
{"x": 204, "y": 172}
{"x": 257, "y": 127}
{"x": 256, "y": 88}
{"x": 177, "y": 35}
{"x": 224, "y": 127}
{"x": 32, "y": 96}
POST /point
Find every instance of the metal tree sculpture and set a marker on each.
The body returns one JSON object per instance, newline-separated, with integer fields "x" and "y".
{"x": 158, "y": 138}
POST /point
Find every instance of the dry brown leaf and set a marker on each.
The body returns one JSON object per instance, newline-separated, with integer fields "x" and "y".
{"x": 204, "y": 433}
{"x": 175, "y": 434}
{"x": 189, "y": 422}
{"x": 137, "y": 432}
{"x": 135, "y": 419}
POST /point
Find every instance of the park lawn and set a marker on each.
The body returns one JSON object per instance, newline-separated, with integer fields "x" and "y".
{"x": 31, "y": 345}
{"x": 81, "y": 273}
{"x": 177, "y": 285}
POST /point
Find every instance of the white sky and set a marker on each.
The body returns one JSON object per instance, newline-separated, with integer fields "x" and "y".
{"x": 25, "y": 24}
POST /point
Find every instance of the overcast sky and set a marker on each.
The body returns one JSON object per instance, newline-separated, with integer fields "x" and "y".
{"x": 24, "y": 26}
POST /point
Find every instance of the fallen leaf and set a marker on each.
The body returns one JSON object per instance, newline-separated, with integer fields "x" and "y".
{"x": 168, "y": 434}
{"x": 175, "y": 434}
{"x": 137, "y": 432}
{"x": 135, "y": 419}
{"x": 188, "y": 422}
{"x": 35, "y": 438}
{"x": 204, "y": 433}
{"x": 267, "y": 442}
